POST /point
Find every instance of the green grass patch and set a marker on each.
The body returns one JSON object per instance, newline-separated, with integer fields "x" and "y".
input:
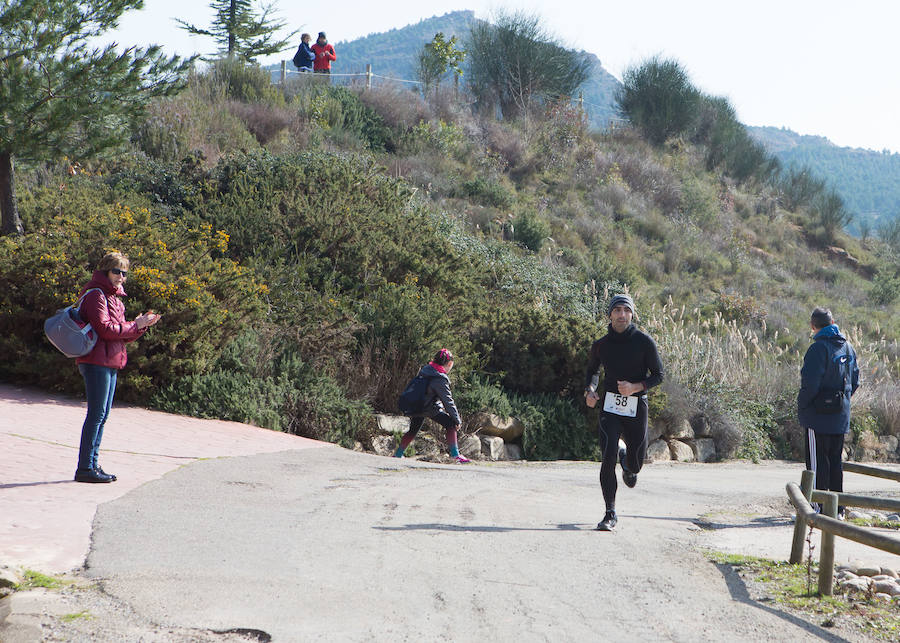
{"x": 881, "y": 523}
{"x": 75, "y": 616}
{"x": 789, "y": 586}
{"x": 35, "y": 579}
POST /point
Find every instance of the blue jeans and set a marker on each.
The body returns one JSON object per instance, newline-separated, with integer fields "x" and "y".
{"x": 100, "y": 387}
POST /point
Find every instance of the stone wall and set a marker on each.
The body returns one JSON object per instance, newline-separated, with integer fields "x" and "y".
{"x": 489, "y": 437}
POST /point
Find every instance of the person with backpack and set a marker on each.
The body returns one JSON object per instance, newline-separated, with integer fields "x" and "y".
{"x": 428, "y": 395}
{"x": 304, "y": 58}
{"x": 631, "y": 367}
{"x": 103, "y": 309}
{"x": 324, "y": 53}
{"x": 829, "y": 376}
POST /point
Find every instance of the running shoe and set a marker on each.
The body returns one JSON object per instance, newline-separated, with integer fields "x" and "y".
{"x": 609, "y": 522}
{"x": 630, "y": 479}
{"x": 461, "y": 459}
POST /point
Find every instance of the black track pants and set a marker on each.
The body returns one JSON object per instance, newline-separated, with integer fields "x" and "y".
{"x": 633, "y": 432}
{"x": 823, "y": 457}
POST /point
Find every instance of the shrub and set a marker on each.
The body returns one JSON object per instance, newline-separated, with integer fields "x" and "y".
{"x": 479, "y": 393}
{"x": 177, "y": 270}
{"x": 885, "y": 288}
{"x": 264, "y": 121}
{"x": 282, "y": 393}
{"x": 240, "y": 80}
{"x": 799, "y": 187}
{"x": 445, "y": 138}
{"x": 536, "y": 351}
{"x": 830, "y": 213}
{"x": 555, "y": 428}
{"x": 487, "y": 192}
{"x": 658, "y": 98}
{"x": 531, "y": 230}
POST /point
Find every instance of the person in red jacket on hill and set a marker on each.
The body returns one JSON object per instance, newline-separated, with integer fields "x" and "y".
{"x": 324, "y": 55}
{"x": 104, "y": 310}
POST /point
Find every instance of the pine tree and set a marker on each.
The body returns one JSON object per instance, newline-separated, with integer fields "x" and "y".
{"x": 242, "y": 31}
{"x": 59, "y": 94}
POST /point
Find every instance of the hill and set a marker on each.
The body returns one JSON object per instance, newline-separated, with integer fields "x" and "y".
{"x": 394, "y": 53}
{"x": 311, "y": 245}
{"x": 868, "y": 181}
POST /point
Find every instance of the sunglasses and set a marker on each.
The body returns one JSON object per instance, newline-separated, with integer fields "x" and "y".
{"x": 119, "y": 271}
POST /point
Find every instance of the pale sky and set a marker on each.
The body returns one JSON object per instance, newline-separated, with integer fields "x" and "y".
{"x": 823, "y": 67}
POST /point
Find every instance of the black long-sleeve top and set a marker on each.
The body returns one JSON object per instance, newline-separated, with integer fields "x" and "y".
{"x": 630, "y": 356}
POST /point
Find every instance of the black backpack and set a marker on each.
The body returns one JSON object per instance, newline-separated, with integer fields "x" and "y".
{"x": 414, "y": 397}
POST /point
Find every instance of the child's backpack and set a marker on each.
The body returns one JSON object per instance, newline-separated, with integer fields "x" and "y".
{"x": 69, "y": 333}
{"x": 414, "y": 397}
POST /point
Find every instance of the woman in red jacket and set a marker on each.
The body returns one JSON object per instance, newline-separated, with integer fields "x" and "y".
{"x": 104, "y": 310}
{"x": 324, "y": 55}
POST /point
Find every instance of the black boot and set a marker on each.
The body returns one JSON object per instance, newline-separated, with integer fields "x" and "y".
{"x": 89, "y": 475}
{"x": 99, "y": 469}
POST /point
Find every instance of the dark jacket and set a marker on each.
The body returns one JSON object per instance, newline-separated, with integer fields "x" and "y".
{"x": 106, "y": 314}
{"x": 829, "y": 365}
{"x": 438, "y": 398}
{"x": 324, "y": 56}
{"x": 304, "y": 57}
{"x": 630, "y": 356}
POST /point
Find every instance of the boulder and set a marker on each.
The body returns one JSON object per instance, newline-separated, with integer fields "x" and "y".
{"x": 704, "y": 449}
{"x": 887, "y": 571}
{"x": 700, "y": 424}
{"x": 887, "y": 587}
{"x": 866, "y": 570}
{"x": 470, "y": 446}
{"x": 855, "y": 585}
{"x": 384, "y": 445}
{"x": 654, "y": 430}
{"x": 493, "y": 447}
{"x": 680, "y": 430}
{"x": 9, "y": 578}
{"x": 681, "y": 451}
{"x": 658, "y": 451}
{"x": 514, "y": 452}
{"x": 489, "y": 424}
{"x": 391, "y": 424}
{"x": 887, "y": 445}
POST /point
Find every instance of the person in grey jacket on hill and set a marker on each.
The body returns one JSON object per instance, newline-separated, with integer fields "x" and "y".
{"x": 439, "y": 405}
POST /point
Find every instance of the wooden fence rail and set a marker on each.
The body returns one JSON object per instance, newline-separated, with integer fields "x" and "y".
{"x": 830, "y": 526}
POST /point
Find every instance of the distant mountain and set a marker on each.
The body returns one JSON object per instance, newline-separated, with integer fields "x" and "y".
{"x": 868, "y": 181}
{"x": 394, "y": 54}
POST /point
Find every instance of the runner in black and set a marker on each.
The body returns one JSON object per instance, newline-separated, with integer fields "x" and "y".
{"x": 631, "y": 367}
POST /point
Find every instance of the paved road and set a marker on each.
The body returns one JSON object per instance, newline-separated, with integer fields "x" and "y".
{"x": 341, "y": 546}
{"x": 45, "y": 517}
{"x": 312, "y": 544}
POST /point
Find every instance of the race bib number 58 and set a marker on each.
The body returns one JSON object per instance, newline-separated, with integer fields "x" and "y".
{"x": 625, "y": 405}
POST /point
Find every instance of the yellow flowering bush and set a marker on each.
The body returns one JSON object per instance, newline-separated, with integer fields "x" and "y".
{"x": 177, "y": 269}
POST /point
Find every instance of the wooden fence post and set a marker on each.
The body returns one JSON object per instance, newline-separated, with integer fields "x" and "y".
{"x": 826, "y": 556}
{"x": 368, "y": 75}
{"x": 806, "y": 483}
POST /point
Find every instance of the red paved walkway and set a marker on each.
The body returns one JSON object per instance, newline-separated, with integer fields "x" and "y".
{"x": 45, "y": 517}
